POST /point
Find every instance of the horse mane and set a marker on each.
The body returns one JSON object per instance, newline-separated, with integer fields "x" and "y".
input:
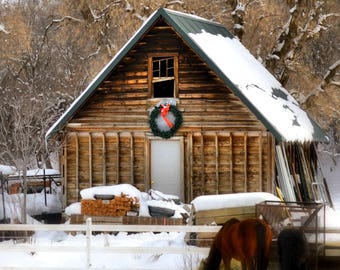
{"x": 248, "y": 241}
{"x": 214, "y": 258}
{"x": 229, "y": 223}
{"x": 261, "y": 244}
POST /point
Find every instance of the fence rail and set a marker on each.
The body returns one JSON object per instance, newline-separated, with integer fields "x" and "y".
{"x": 107, "y": 227}
{"x": 89, "y": 249}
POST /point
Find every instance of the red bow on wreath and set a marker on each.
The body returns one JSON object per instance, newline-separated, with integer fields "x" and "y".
{"x": 164, "y": 111}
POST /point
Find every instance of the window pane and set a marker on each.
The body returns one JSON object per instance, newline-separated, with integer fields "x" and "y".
{"x": 163, "y": 89}
{"x": 170, "y": 67}
{"x": 163, "y": 64}
{"x": 163, "y": 76}
{"x": 156, "y": 69}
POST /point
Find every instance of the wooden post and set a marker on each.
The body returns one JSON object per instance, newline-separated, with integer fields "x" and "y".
{"x": 90, "y": 159}
{"x": 271, "y": 162}
{"x": 65, "y": 172}
{"x": 77, "y": 165}
{"x": 260, "y": 162}
{"x": 88, "y": 242}
{"x": 245, "y": 164}
{"x": 132, "y": 159}
{"x": 202, "y": 165}
{"x": 231, "y": 162}
{"x": 217, "y": 165}
{"x": 189, "y": 195}
{"x": 147, "y": 164}
{"x": 117, "y": 158}
{"x": 104, "y": 159}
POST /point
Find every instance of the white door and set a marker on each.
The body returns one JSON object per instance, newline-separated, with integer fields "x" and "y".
{"x": 167, "y": 166}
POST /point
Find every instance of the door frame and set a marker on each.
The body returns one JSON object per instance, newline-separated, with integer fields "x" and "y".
{"x": 148, "y": 161}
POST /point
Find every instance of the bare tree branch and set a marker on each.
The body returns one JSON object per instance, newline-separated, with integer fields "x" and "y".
{"x": 331, "y": 74}
{"x": 56, "y": 21}
{"x": 3, "y": 30}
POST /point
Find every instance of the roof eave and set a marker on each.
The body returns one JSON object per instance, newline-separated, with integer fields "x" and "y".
{"x": 87, "y": 93}
{"x": 225, "y": 79}
{"x": 319, "y": 135}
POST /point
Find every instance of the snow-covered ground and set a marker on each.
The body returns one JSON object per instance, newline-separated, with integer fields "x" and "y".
{"x": 104, "y": 260}
{"x": 98, "y": 260}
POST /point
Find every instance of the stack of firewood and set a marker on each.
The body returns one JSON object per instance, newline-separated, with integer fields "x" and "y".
{"x": 118, "y": 206}
{"x": 14, "y": 188}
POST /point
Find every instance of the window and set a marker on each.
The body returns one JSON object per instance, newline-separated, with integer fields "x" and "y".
{"x": 162, "y": 75}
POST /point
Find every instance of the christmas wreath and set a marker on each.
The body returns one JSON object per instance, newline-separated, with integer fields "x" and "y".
{"x": 165, "y": 120}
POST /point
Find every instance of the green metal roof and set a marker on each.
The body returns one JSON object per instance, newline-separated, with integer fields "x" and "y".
{"x": 192, "y": 28}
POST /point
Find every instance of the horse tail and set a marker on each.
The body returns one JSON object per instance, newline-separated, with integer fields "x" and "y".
{"x": 293, "y": 249}
{"x": 261, "y": 238}
{"x": 214, "y": 258}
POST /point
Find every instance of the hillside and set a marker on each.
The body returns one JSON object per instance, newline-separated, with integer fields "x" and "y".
{"x": 53, "y": 49}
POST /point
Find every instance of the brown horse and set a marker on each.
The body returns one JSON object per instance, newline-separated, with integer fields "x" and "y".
{"x": 247, "y": 241}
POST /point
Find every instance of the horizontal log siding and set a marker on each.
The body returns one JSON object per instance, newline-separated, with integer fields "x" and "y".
{"x": 123, "y": 100}
{"x": 227, "y": 148}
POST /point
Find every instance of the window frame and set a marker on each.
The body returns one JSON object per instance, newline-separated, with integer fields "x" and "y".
{"x": 151, "y": 77}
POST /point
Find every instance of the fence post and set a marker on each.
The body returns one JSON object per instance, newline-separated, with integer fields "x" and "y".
{"x": 88, "y": 242}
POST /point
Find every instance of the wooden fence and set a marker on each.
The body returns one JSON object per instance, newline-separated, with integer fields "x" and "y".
{"x": 89, "y": 249}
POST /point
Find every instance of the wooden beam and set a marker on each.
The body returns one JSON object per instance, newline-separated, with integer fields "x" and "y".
{"x": 217, "y": 164}
{"x": 245, "y": 164}
{"x": 271, "y": 162}
{"x": 202, "y": 165}
{"x": 145, "y": 169}
{"x": 182, "y": 166}
{"x": 132, "y": 159}
{"x": 117, "y": 158}
{"x": 260, "y": 162}
{"x": 231, "y": 162}
{"x": 147, "y": 164}
{"x": 104, "y": 159}
{"x": 90, "y": 160}
{"x": 77, "y": 165}
{"x": 150, "y": 86}
{"x": 189, "y": 173}
{"x": 65, "y": 172}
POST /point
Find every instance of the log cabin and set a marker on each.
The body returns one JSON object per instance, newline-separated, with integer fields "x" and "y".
{"x": 185, "y": 109}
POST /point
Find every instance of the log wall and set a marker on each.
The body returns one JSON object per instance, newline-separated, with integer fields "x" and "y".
{"x": 227, "y": 149}
{"x": 215, "y": 162}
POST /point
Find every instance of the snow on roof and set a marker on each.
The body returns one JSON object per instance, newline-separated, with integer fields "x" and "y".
{"x": 257, "y": 85}
{"x": 209, "y": 202}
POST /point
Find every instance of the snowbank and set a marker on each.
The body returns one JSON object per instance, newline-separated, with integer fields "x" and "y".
{"x": 209, "y": 202}
{"x": 7, "y": 169}
{"x": 116, "y": 190}
{"x": 153, "y": 198}
{"x": 35, "y": 204}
